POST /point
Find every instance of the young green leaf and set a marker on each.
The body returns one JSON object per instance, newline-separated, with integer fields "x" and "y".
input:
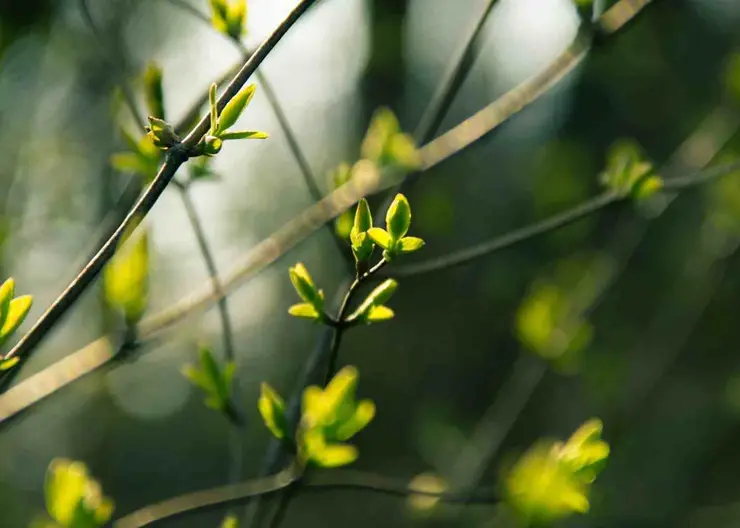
{"x": 305, "y": 310}
{"x": 362, "y": 244}
{"x": 409, "y": 244}
{"x": 7, "y": 364}
{"x": 126, "y": 277}
{"x": 214, "y": 381}
{"x": 7, "y": 290}
{"x": 73, "y": 498}
{"x": 161, "y": 133}
{"x": 372, "y": 310}
{"x": 272, "y": 409}
{"x": 245, "y": 134}
{"x": 398, "y": 217}
{"x": 17, "y": 311}
{"x": 304, "y": 285}
{"x": 381, "y": 237}
{"x": 231, "y": 521}
{"x": 234, "y": 108}
{"x": 153, "y": 92}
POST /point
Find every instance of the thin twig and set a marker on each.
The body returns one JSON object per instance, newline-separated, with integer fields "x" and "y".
{"x": 175, "y": 157}
{"x": 335, "y": 480}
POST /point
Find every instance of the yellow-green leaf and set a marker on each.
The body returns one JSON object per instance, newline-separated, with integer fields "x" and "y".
{"x": 244, "y": 134}
{"x": 7, "y": 364}
{"x": 17, "y": 311}
{"x": 234, "y": 108}
{"x": 304, "y": 285}
{"x": 381, "y": 237}
{"x": 305, "y": 310}
{"x": 126, "y": 277}
{"x": 377, "y": 314}
{"x": 398, "y": 217}
{"x": 7, "y": 290}
{"x": 363, "y": 415}
{"x": 272, "y": 409}
{"x": 230, "y": 522}
{"x": 410, "y": 244}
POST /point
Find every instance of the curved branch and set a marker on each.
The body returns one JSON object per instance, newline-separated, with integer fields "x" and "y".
{"x": 334, "y": 480}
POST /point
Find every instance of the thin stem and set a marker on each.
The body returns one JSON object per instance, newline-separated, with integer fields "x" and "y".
{"x": 175, "y": 157}
{"x": 510, "y": 239}
{"x": 334, "y": 480}
{"x": 208, "y": 259}
{"x": 338, "y": 331}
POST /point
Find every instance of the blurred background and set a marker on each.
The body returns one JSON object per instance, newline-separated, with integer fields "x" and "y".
{"x": 651, "y": 290}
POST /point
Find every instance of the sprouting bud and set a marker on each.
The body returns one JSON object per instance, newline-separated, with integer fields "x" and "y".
{"x": 161, "y": 133}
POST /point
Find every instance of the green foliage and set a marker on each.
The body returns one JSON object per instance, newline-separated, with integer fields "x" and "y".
{"x": 313, "y": 307}
{"x": 73, "y": 498}
{"x": 230, "y": 521}
{"x": 272, "y": 409}
{"x": 214, "y": 380}
{"x": 229, "y": 17}
{"x": 220, "y": 123}
{"x": 362, "y": 244}
{"x": 386, "y": 145}
{"x": 329, "y": 418}
{"x": 552, "y": 480}
{"x": 393, "y": 239}
{"x": 332, "y": 416}
{"x": 372, "y": 309}
{"x": 551, "y": 320}
{"x": 13, "y": 311}
{"x": 628, "y": 174}
{"x": 126, "y": 276}
{"x": 142, "y": 158}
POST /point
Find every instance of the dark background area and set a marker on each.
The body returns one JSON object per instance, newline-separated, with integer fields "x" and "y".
{"x": 661, "y": 370}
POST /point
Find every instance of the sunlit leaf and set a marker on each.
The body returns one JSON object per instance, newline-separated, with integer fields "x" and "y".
{"x": 16, "y": 314}
{"x": 410, "y": 244}
{"x": 234, "y": 108}
{"x": 398, "y": 217}
{"x": 73, "y": 498}
{"x": 381, "y": 237}
{"x": 305, "y": 310}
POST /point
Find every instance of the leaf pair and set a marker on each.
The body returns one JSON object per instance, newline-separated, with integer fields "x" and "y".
{"x": 551, "y": 480}
{"x": 13, "y": 311}
{"x": 229, "y": 17}
{"x": 73, "y": 498}
{"x": 214, "y": 381}
{"x": 313, "y": 305}
{"x": 393, "y": 238}
{"x": 221, "y": 122}
{"x": 627, "y": 173}
{"x": 329, "y": 418}
{"x": 373, "y": 309}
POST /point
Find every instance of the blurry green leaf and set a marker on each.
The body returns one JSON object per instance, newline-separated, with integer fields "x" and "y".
{"x": 627, "y": 173}
{"x": 7, "y": 364}
{"x": 73, "y": 498}
{"x": 398, "y": 217}
{"x": 213, "y": 380}
{"x": 272, "y": 409}
{"x": 551, "y": 481}
{"x": 244, "y": 134}
{"x": 343, "y": 225}
{"x": 153, "y": 92}
{"x": 363, "y": 415}
{"x": 229, "y": 17}
{"x": 403, "y": 152}
{"x": 234, "y": 108}
{"x": 126, "y": 276}
{"x": 327, "y": 455}
{"x": 230, "y": 522}
{"x": 383, "y": 126}
{"x": 428, "y": 482}
{"x": 341, "y": 175}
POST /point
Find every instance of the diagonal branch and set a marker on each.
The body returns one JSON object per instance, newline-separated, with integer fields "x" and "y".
{"x": 175, "y": 157}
